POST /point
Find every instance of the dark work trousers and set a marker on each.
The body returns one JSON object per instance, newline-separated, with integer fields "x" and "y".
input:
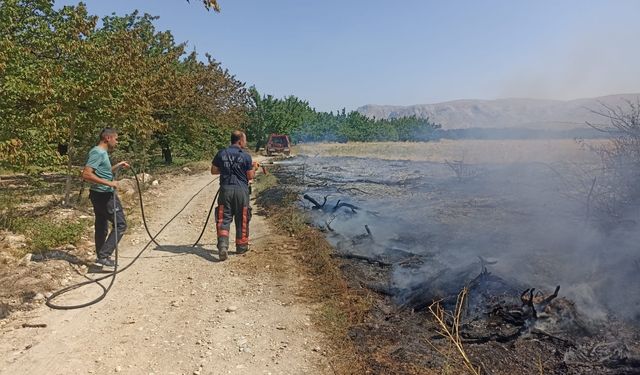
{"x": 103, "y": 209}
{"x": 233, "y": 205}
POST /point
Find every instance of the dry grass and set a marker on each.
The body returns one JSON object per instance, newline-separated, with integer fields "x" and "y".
{"x": 472, "y": 151}
{"x": 451, "y": 331}
{"x": 264, "y": 182}
{"x": 337, "y": 307}
{"x": 540, "y": 365}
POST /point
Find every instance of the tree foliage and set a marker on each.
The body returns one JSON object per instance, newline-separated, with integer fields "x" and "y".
{"x": 295, "y": 117}
{"x": 353, "y": 126}
{"x": 271, "y": 115}
{"x": 211, "y": 4}
{"x": 63, "y": 78}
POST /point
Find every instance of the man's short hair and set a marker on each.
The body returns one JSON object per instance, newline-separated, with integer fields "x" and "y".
{"x": 236, "y": 136}
{"x": 107, "y": 132}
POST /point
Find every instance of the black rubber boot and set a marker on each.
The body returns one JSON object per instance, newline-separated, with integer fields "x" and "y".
{"x": 223, "y": 246}
{"x": 241, "y": 249}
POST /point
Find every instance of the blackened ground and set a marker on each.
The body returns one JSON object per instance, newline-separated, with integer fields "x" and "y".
{"x": 433, "y": 228}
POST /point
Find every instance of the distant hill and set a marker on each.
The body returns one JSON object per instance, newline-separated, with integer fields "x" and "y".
{"x": 506, "y": 113}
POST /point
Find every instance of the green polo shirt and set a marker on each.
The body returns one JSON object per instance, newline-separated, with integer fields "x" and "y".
{"x": 99, "y": 160}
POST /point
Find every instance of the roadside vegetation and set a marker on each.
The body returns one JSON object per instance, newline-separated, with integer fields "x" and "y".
{"x": 337, "y": 307}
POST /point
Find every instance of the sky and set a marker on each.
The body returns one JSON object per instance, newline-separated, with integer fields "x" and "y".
{"x": 347, "y": 53}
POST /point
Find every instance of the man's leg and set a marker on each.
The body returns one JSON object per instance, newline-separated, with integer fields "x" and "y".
{"x": 242, "y": 217}
{"x": 102, "y": 230}
{"x": 101, "y": 223}
{"x": 120, "y": 224}
{"x": 224, "y": 216}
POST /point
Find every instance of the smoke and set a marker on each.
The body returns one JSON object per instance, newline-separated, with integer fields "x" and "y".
{"x": 588, "y": 64}
{"x": 529, "y": 217}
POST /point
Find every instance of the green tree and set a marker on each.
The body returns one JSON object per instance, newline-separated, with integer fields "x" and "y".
{"x": 27, "y": 106}
{"x": 270, "y": 115}
{"x": 62, "y": 79}
{"x": 353, "y": 126}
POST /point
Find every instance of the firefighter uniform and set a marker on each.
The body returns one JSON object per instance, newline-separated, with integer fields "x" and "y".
{"x": 233, "y": 201}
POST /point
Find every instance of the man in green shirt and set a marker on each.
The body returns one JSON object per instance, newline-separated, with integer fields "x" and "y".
{"x": 99, "y": 172}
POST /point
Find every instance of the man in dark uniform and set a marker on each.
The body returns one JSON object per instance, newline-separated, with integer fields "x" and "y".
{"x": 235, "y": 167}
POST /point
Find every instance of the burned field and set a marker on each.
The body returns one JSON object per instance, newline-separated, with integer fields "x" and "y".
{"x": 511, "y": 262}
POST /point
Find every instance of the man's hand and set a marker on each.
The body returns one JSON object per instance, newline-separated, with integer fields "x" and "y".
{"x": 122, "y": 164}
{"x": 114, "y": 184}
{"x": 214, "y": 169}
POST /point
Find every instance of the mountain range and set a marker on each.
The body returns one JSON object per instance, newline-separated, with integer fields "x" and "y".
{"x": 516, "y": 113}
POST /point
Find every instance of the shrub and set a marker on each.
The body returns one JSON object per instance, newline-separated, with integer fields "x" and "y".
{"x": 45, "y": 234}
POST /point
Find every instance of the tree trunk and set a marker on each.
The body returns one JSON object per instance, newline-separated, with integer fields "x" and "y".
{"x": 166, "y": 154}
{"x": 259, "y": 144}
{"x": 70, "y": 153}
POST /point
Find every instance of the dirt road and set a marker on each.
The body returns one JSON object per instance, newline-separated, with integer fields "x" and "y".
{"x": 177, "y": 310}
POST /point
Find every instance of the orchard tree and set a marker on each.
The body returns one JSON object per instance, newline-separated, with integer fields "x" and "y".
{"x": 27, "y": 89}
{"x": 271, "y": 115}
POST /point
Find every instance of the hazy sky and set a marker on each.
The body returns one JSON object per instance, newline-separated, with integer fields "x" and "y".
{"x": 349, "y": 53}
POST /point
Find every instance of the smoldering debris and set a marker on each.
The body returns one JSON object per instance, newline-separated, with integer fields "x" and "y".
{"x": 508, "y": 234}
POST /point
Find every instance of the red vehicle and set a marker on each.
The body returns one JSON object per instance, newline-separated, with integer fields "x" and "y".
{"x": 278, "y": 144}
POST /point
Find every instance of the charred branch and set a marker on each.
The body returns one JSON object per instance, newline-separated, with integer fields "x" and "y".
{"x": 348, "y": 205}
{"x": 328, "y": 223}
{"x": 363, "y": 237}
{"x": 469, "y": 338}
{"x": 371, "y": 260}
{"x": 537, "y": 331}
{"x": 527, "y": 301}
{"x": 377, "y": 287}
{"x": 316, "y": 205}
{"x": 321, "y": 206}
{"x": 530, "y": 300}
{"x": 551, "y": 296}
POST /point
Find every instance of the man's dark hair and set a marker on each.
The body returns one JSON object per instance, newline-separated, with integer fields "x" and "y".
{"x": 106, "y": 132}
{"x": 236, "y": 136}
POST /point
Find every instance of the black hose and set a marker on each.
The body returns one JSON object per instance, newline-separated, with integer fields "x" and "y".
{"x": 113, "y": 274}
{"x": 204, "y": 227}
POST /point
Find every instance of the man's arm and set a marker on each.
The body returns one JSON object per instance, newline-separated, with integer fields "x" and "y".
{"x": 122, "y": 164}
{"x": 251, "y": 168}
{"x": 215, "y": 169}
{"x": 251, "y": 174}
{"x": 88, "y": 174}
